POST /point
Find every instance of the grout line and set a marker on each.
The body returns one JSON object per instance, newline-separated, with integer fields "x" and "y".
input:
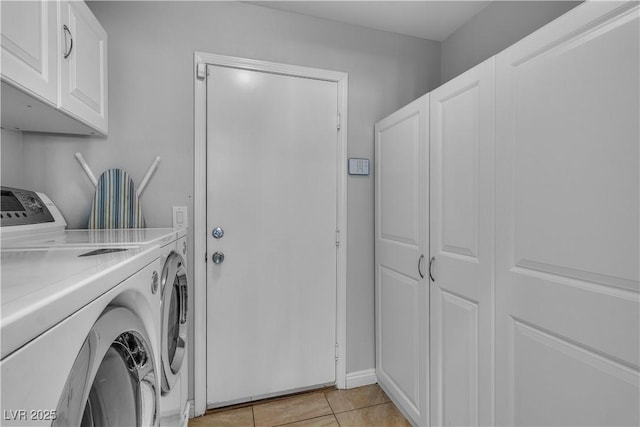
{"x": 268, "y": 399}
{"x": 329, "y": 403}
{"x": 226, "y": 408}
{"x": 365, "y": 407}
{"x": 320, "y": 392}
{"x": 307, "y": 419}
{"x": 324, "y": 394}
{"x": 362, "y": 407}
{"x": 335, "y": 417}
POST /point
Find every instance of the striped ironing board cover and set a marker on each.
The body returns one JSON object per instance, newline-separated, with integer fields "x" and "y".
{"x": 115, "y": 204}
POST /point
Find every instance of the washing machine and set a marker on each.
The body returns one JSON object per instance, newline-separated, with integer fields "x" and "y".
{"x": 82, "y": 317}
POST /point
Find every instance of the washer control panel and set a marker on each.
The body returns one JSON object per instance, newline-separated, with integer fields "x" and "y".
{"x": 22, "y": 207}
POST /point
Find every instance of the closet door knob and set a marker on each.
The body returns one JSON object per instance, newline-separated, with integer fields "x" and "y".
{"x": 420, "y": 266}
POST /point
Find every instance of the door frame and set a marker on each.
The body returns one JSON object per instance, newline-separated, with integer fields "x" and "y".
{"x": 200, "y": 62}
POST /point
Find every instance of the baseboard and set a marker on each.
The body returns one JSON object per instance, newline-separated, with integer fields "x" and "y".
{"x": 360, "y": 378}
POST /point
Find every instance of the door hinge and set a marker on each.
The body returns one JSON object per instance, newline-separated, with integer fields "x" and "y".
{"x": 337, "y": 351}
{"x": 337, "y": 237}
{"x": 201, "y": 71}
{"x": 339, "y": 121}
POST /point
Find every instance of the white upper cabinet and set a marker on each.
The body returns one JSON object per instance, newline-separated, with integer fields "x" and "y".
{"x": 54, "y": 68}
{"x": 83, "y": 82}
{"x": 29, "y": 45}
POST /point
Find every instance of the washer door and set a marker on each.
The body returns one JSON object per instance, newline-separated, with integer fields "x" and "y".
{"x": 174, "y": 319}
{"x": 113, "y": 380}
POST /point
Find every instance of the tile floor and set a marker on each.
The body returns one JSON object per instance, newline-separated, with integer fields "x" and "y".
{"x": 366, "y": 406}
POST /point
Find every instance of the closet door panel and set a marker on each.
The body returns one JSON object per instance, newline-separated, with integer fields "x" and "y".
{"x": 461, "y": 213}
{"x": 567, "y": 209}
{"x": 401, "y": 238}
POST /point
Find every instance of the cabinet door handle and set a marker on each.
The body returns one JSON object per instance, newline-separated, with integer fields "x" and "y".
{"x": 431, "y": 262}
{"x": 420, "y": 266}
{"x": 66, "y": 30}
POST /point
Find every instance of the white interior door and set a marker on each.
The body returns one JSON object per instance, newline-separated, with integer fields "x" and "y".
{"x": 271, "y": 187}
{"x": 401, "y": 239}
{"x": 462, "y": 245}
{"x": 567, "y": 221}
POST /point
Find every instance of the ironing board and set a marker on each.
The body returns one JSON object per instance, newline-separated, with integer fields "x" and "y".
{"x": 116, "y": 203}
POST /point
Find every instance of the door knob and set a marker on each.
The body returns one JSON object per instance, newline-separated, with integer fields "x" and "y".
{"x": 217, "y": 257}
{"x": 217, "y": 232}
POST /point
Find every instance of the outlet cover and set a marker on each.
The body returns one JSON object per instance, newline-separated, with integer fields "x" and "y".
{"x": 180, "y": 217}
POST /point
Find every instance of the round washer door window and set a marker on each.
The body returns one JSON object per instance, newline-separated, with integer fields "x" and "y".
{"x": 174, "y": 319}
{"x": 113, "y": 380}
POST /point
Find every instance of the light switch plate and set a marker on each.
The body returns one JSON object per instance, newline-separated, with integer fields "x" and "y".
{"x": 358, "y": 166}
{"x": 180, "y": 217}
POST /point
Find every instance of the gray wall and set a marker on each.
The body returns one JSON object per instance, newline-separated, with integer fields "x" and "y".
{"x": 12, "y": 158}
{"x": 496, "y": 27}
{"x": 151, "y": 47}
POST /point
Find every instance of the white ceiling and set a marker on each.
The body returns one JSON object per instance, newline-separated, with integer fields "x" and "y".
{"x": 432, "y": 20}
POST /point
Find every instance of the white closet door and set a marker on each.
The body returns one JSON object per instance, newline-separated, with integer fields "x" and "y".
{"x": 567, "y": 221}
{"x": 462, "y": 246}
{"x": 401, "y": 239}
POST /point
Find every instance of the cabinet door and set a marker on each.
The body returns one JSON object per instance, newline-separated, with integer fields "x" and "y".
{"x": 401, "y": 239}
{"x": 29, "y": 45}
{"x": 462, "y": 246}
{"x": 567, "y": 209}
{"x": 83, "y": 85}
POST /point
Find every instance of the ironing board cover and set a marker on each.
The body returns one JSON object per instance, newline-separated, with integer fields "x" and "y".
{"x": 116, "y": 203}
